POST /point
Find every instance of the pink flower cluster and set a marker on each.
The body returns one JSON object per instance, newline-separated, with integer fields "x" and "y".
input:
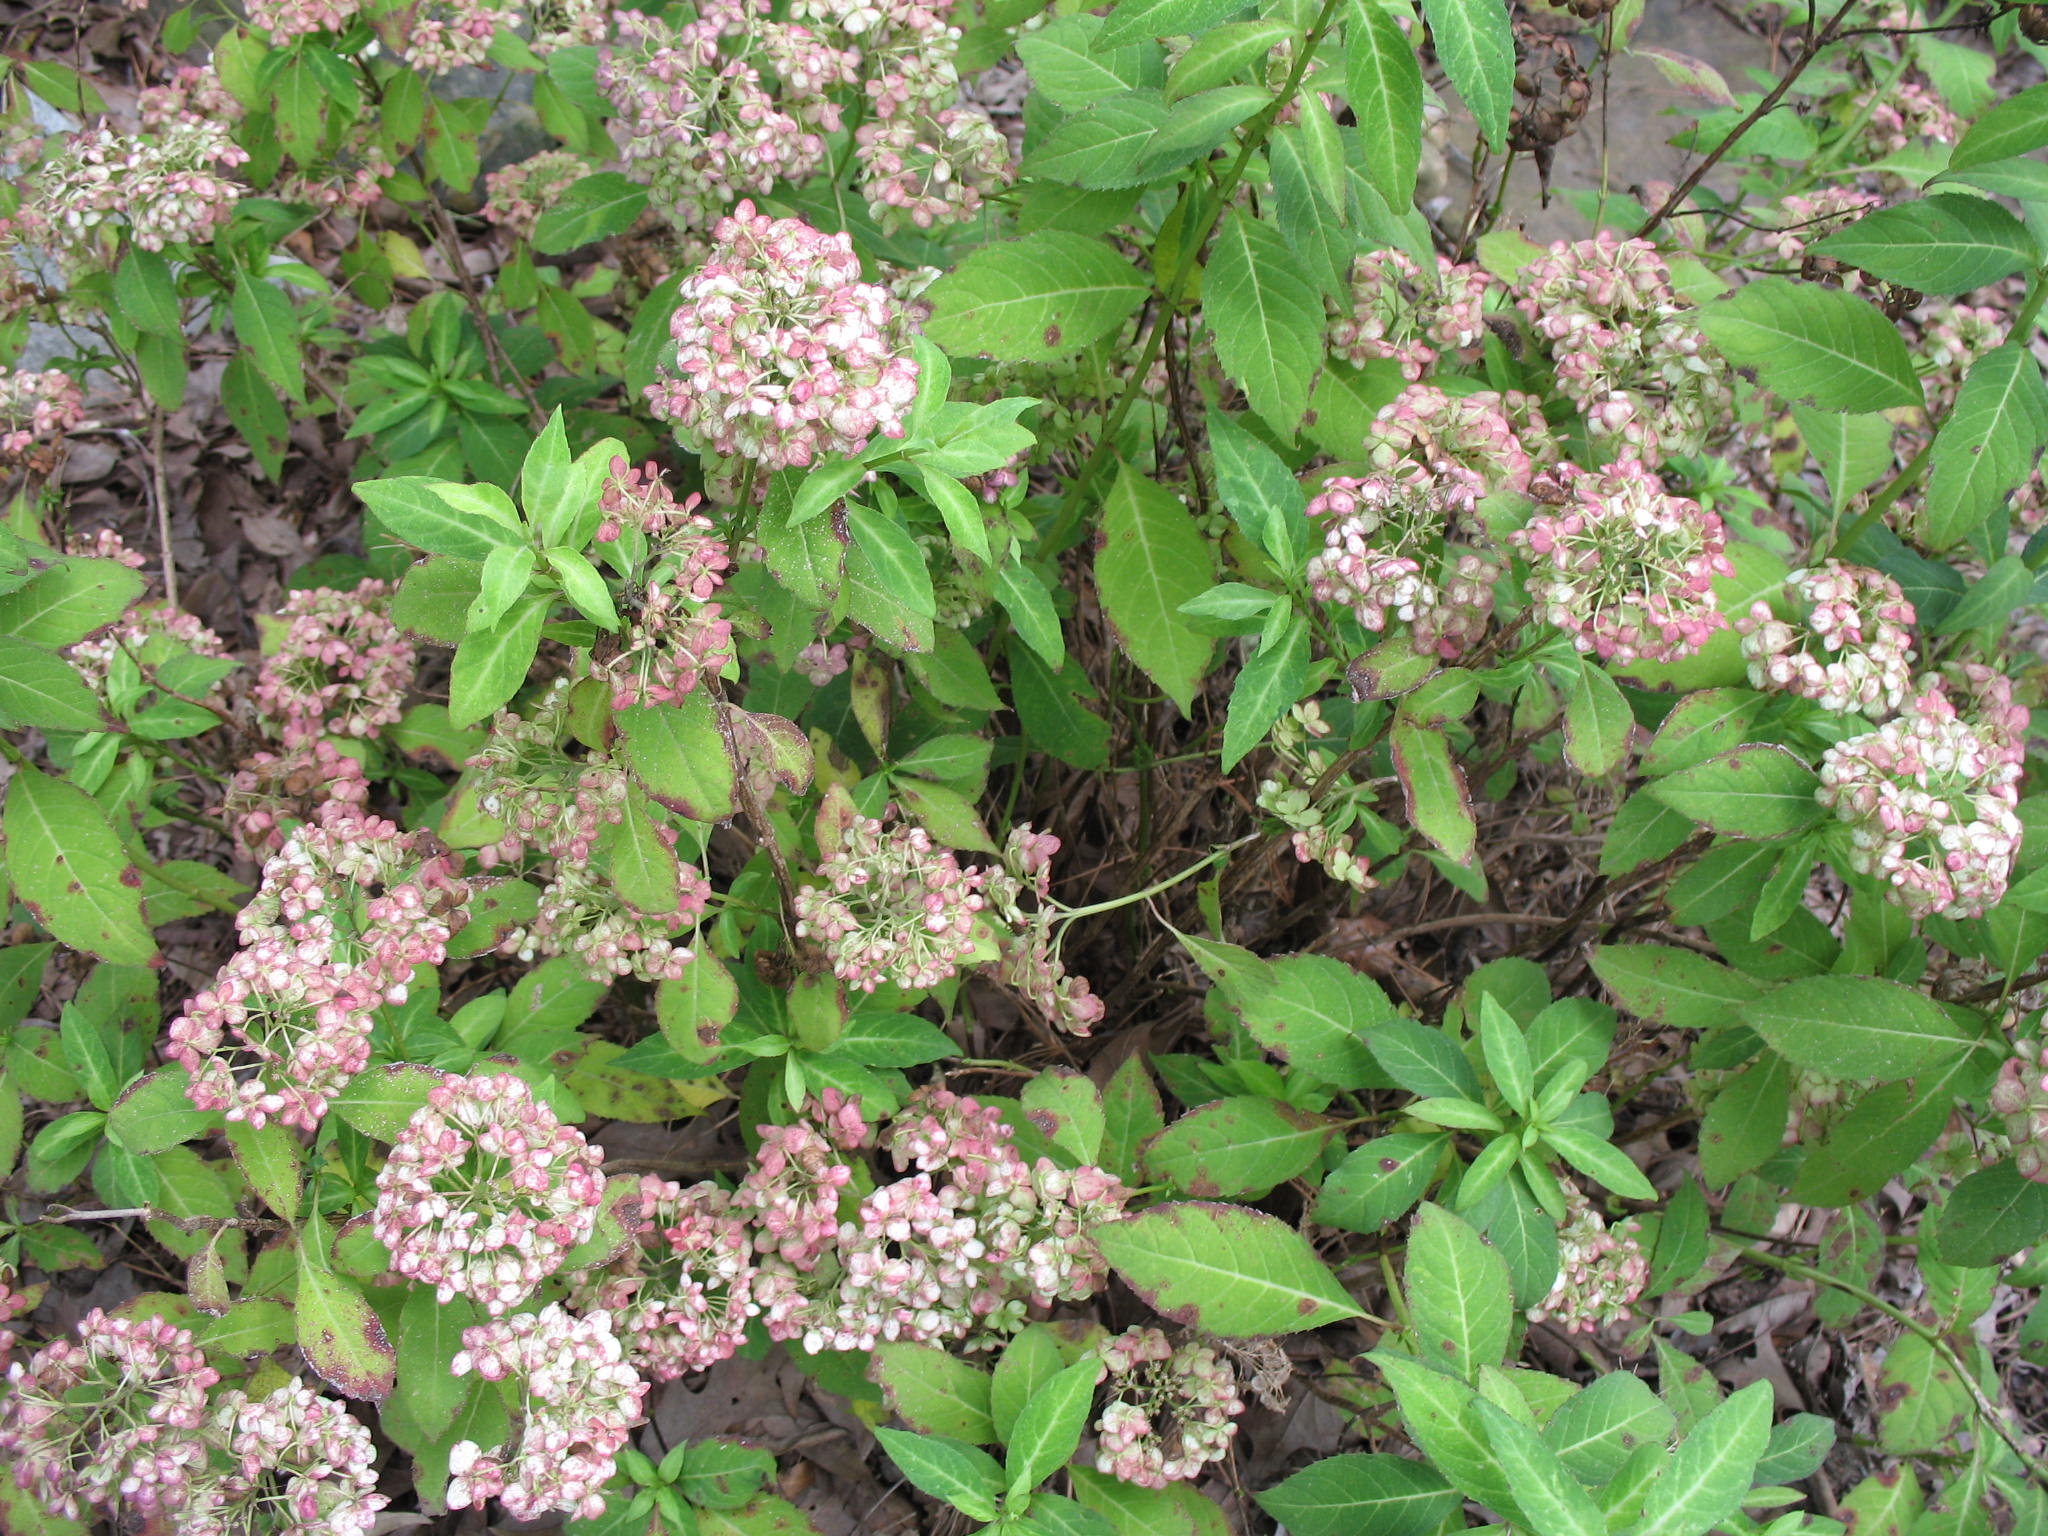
{"x": 1030, "y": 956}
{"x": 895, "y": 907}
{"x": 271, "y": 793}
{"x": 580, "y": 1401}
{"x": 922, "y": 168}
{"x": 1625, "y": 349}
{"x": 1808, "y": 220}
{"x": 1170, "y": 1412}
{"x": 348, "y": 907}
{"x": 1903, "y": 112}
{"x": 516, "y": 196}
{"x": 193, "y": 94}
{"x": 287, "y": 19}
{"x": 2020, "y": 1096}
{"x": 1471, "y": 445}
{"x": 957, "y": 1249}
{"x": 149, "y": 635}
{"x": 301, "y": 1465}
{"x": 702, "y": 126}
{"x": 783, "y": 354}
{"x": 113, "y": 1422}
{"x": 680, "y": 1296}
{"x": 169, "y": 188}
{"x": 1851, "y": 650}
{"x": 1396, "y": 312}
{"x": 485, "y": 1191}
{"x": 1929, "y": 798}
{"x": 581, "y": 913}
{"x": 1600, "y": 1271}
{"x": 1392, "y": 550}
{"x": 1625, "y": 569}
{"x": 1951, "y": 343}
{"x": 440, "y": 35}
{"x": 36, "y": 408}
{"x": 341, "y": 667}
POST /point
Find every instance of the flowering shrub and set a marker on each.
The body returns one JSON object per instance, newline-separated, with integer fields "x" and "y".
{"x": 891, "y": 764}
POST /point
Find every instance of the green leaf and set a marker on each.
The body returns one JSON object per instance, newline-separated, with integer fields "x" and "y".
{"x": 1066, "y": 1106}
{"x": 1992, "y": 1214}
{"x": 1477, "y": 47}
{"x": 2016, "y": 126}
{"x": 1946, "y": 244}
{"x": 1993, "y": 600}
{"x": 146, "y": 294}
{"x": 1361, "y": 1494}
{"x": 896, "y": 557}
{"x": 934, "y": 1392}
{"x": 1071, "y": 68}
{"x": 1597, "y": 720}
{"x": 1258, "y": 490}
{"x": 644, "y": 867}
{"x": 679, "y": 756}
{"x": 1439, "y": 805}
{"x": 339, "y": 1332}
{"x": 381, "y": 1102}
{"x": 1195, "y": 126}
{"x": 1883, "y": 1132}
{"x": 1384, "y": 85}
{"x": 1923, "y": 1402}
{"x": 1813, "y": 346}
{"x": 1702, "y": 725}
{"x": 966, "y": 1478}
{"x": 1601, "y": 1159}
{"x": 1423, "y": 1060}
{"x": 1030, "y": 1360}
{"x": 1313, "y": 1013}
{"x": 1102, "y": 146}
{"x": 1216, "y": 59}
{"x": 1236, "y": 1147}
{"x": 1551, "y": 1498}
{"x": 419, "y": 511}
{"x": 1048, "y": 1428}
{"x": 1745, "y": 1125}
{"x": 160, "y": 359}
{"x": 1458, "y": 1293}
{"x": 1757, "y": 790}
{"x": 1231, "y": 1272}
{"x": 1131, "y": 1112}
{"x": 1597, "y": 1430}
{"x": 1434, "y": 1415}
{"x": 492, "y": 664}
{"x": 269, "y": 327}
{"x": 1852, "y": 1027}
{"x": 1380, "y": 1181}
{"x": 429, "y": 1336}
{"x": 69, "y": 601}
{"x": 1507, "y": 1055}
{"x": 1674, "y": 986}
{"x": 272, "y": 1161}
{"x": 1987, "y": 446}
{"x": 1266, "y": 314}
{"x": 1151, "y": 561}
{"x": 1165, "y": 18}
{"x": 1712, "y": 1468}
{"x": 1853, "y": 452}
{"x": 154, "y": 1114}
{"x": 1043, "y": 297}
{"x": 584, "y": 588}
{"x": 39, "y": 688}
{"x": 70, "y": 869}
{"x": 592, "y": 208}
{"x": 1268, "y": 686}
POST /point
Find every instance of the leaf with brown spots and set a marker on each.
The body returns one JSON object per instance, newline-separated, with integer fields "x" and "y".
{"x": 70, "y": 869}
{"x": 339, "y": 1333}
{"x": 1229, "y": 1271}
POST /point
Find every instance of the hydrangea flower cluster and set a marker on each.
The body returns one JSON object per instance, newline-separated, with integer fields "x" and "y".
{"x": 341, "y": 667}
{"x": 782, "y": 352}
{"x": 1470, "y": 445}
{"x": 1625, "y": 349}
{"x": 954, "y": 1251}
{"x": 516, "y": 196}
{"x": 1170, "y": 1412}
{"x": 1904, "y": 111}
{"x": 348, "y": 907}
{"x": 1952, "y": 341}
{"x": 1808, "y": 220}
{"x": 581, "y": 913}
{"x": 148, "y": 635}
{"x": 1929, "y": 800}
{"x": 1600, "y": 1271}
{"x": 1625, "y": 569}
{"x": 112, "y": 1422}
{"x": 168, "y": 187}
{"x": 895, "y": 907}
{"x": 1852, "y": 650}
{"x": 581, "y": 1400}
{"x": 271, "y": 793}
{"x": 36, "y": 409}
{"x": 1391, "y": 550}
{"x": 680, "y": 1296}
{"x": 287, "y": 19}
{"x": 2020, "y": 1095}
{"x": 1398, "y": 313}
{"x": 485, "y": 1191}
{"x": 301, "y": 1466}
{"x": 1320, "y": 830}
{"x": 1030, "y": 957}
{"x": 922, "y": 168}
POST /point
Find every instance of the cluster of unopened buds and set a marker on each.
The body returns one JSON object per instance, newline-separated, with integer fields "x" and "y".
{"x": 341, "y": 667}
{"x": 1470, "y": 445}
{"x": 1170, "y": 1412}
{"x": 1320, "y": 830}
{"x": 1952, "y": 342}
{"x": 348, "y": 907}
{"x": 956, "y": 1250}
{"x": 516, "y": 196}
{"x": 1851, "y": 649}
{"x": 1930, "y": 798}
{"x": 1625, "y": 349}
{"x": 2020, "y": 1096}
{"x": 580, "y": 1398}
{"x": 1391, "y": 550}
{"x": 895, "y": 906}
{"x": 37, "y": 408}
{"x": 1624, "y": 568}
{"x": 1030, "y": 952}
{"x": 1805, "y": 221}
{"x": 783, "y": 353}
{"x": 485, "y": 1191}
{"x": 1601, "y": 1270}
{"x": 1397, "y": 312}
